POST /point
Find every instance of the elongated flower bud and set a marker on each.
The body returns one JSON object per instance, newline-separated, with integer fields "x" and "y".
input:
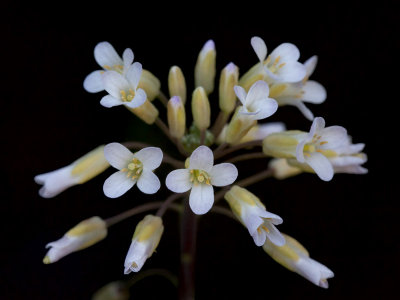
{"x": 238, "y": 127}
{"x": 204, "y": 72}
{"x": 177, "y": 84}
{"x": 296, "y": 258}
{"x": 147, "y": 112}
{"x": 282, "y": 144}
{"x": 201, "y": 109}
{"x": 227, "y": 96}
{"x": 80, "y": 171}
{"x": 144, "y": 242}
{"x": 150, "y": 84}
{"x": 83, "y": 235}
{"x": 176, "y": 117}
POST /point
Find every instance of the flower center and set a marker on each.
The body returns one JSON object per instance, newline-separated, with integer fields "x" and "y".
{"x": 127, "y": 96}
{"x": 314, "y": 145}
{"x": 199, "y": 176}
{"x": 134, "y": 169}
{"x": 275, "y": 65}
{"x": 116, "y": 68}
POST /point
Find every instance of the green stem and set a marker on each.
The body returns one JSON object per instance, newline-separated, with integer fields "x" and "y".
{"x": 246, "y": 156}
{"x": 220, "y": 153}
{"x": 219, "y": 123}
{"x": 163, "y": 98}
{"x": 167, "y": 203}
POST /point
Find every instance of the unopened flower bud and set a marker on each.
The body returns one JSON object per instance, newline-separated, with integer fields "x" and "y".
{"x": 293, "y": 256}
{"x": 204, "y": 72}
{"x": 83, "y": 235}
{"x": 147, "y": 112}
{"x": 150, "y": 84}
{"x": 227, "y": 96}
{"x": 177, "y": 84}
{"x": 282, "y": 144}
{"x": 238, "y": 127}
{"x": 116, "y": 290}
{"x": 144, "y": 242}
{"x": 201, "y": 109}
{"x": 78, "y": 172}
{"x": 176, "y": 117}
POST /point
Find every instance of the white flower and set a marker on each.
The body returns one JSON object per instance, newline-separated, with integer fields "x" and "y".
{"x": 349, "y": 159}
{"x": 252, "y": 214}
{"x": 200, "y": 177}
{"x": 303, "y": 91}
{"x": 106, "y": 56}
{"x": 133, "y": 167}
{"x": 83, "y": 235}
{"x": 282, "y": 64}
{"x": 123, "y": 90}
{"x": 145, "y": 240}
{"x": 296, "y": 258}
{"x": 80, "y": 171}
{"x": 320, "y": 144}
{"x": 256, "y": 102}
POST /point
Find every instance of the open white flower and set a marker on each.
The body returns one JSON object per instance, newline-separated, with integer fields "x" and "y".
{"x": 123, "y": 90}
{"x": 145, "y": 240}
{"x": 299, "y": 92}
{"x": 256, "y": 102}
{"x": 200, "y": 177}
{"x": 133, "y": 168}
{"x": 106, "y": 56}
{"x": 252, "y": 214}
{"x": 296, "y": 258}
{"x": 282, "y": 64}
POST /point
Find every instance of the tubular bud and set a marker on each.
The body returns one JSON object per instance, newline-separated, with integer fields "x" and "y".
{"x": 238, "y": 127}
{"x": 201, "y": 109}
{"x": 282, "y": 144}
{"x": 147, "y": 112}
{"x": 227, "y": 96}
{"x": 150, "y": 84}
{"x": 176, "y": 83}
{"x": 176, "y": 117}
{"x": 204, "y": 72}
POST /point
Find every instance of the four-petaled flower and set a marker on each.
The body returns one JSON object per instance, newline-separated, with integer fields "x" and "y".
{"x": 256, "y": 102}
{"x": 133, "y": 167}
{"x": 200, "y": 177}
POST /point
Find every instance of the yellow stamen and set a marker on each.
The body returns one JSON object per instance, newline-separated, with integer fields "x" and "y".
{"x": 281, "y": 65}
{"x": 107, "y": 67}
{"x": 323, "y": 143}
{"x": 129, "y": 174}
{"x": 265, "y": 228}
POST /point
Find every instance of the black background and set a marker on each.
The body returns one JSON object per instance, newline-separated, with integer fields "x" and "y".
{"x": 47, "y": 121}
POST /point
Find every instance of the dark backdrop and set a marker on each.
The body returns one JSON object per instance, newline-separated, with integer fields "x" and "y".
{"x": 48, "y": 120}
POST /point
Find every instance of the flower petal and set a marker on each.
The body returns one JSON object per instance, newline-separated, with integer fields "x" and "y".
{"x": 321, "y": 165}
{"x": 201, "y": 198}
{"x": 127, "y": 58}
{"x": 266, "y": 107}
{"x": 274, "y": 235}
{"x": 259, "y": 90}
{"x": 114, "y": 83}
{"x": 316, "y": 127}
{"x": 105, "y": 55}
{"x": 150, "y": 157}
{"x": 117, "y": 184}
{"x": 223, "y": 174}
{"x": 314, "y": 92}
{"x": 259, "y": 47}
{"x": 136, "y": 257}
{"x": 240, "y": 93}
{"x": 202, "y": 158}
{"x": 148, "y": 182}
{"x": 110, "y": 101}
{"x": 93, "y": 83}
{"x": 292, "y": 72}
{"x": 288, "y": 52}
{"x": 259, "y": 237}
{"x": 178, "y": 181}
{"x": 313, "y": 271}
{"x": 304, "y": 110}
{"x": 117, "y": 155}
{"x": 335, "y": 136}
{"x": 55, "y": 182}
{"x": 134, "y": 73}
{"x": 310, "y": 65}
{"x": 138, "y": 100}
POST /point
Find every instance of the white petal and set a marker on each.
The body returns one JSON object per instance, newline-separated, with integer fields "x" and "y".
{"x": 266, "y": 107}
{"x": 178, "y": 181}
{"x": 127, "y": 58}
{"x": 292, "y": 72}
{"x": 110, "y": 101}
{"x": 55, "y": 182}
{"x": 335, "y": 136}
{"x": 251, "y": 218}
{"x": 273, "y": 218}
{"x": 202, "y": 158}
{"x": 314, "y": 92}
{"x": 300, "y": 151}
{"x": 304, "y": 110}
{"x": 223, "y": 174}
{"x": 287, "y": 51}
{"x": 114, "y": 83}
{"x": 93, "y": 83}
{"x": 150, "y": 157}
{"x": 259, "y": 90}
{"x": 259, "y": 47}
{"x": 134, "y": 73}
{"x": 310, "y": 65}
{"x": 117, "y": 184}
{"x": 259, "y": 237}
{"x": 316, "y": 127}
{"x": 350, "y": 169}
{"x": 201, "y": 198}
{"x": 261, "y": 131}
{"x": 138, "y": 100}
{"x": 321, "y": 165}
{"x": 105, "y": 55}
{"x": 136, "y": 257}
{"x": 240, "y": 93}
{"x": 274, "y": 235}
{"x": 148, "y": 182}
{"x": 342, "y": 161}
{"x": 313, "y": 271}
{"x": 117, "y": 155}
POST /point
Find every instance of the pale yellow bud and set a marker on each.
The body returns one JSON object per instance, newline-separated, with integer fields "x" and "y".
{"x": 238, "y": 196}
{"x": 250, "y": 77}
{"x": 176, "y": 117}
{"x": 227, "y": 96}
{"x": 205, "y": 70}
{"x": 201, "y": 109}
{"x": 238, "y": 127}
{"x": 282, "y": 144}
{"x": 147, "y": 112}
{"x": 150, "y": 84}
{"x": 282, "y": 169}
{"x": 177, "y": 84}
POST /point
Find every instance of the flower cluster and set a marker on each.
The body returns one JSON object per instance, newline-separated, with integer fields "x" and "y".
{"x": 276, "y": 80}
